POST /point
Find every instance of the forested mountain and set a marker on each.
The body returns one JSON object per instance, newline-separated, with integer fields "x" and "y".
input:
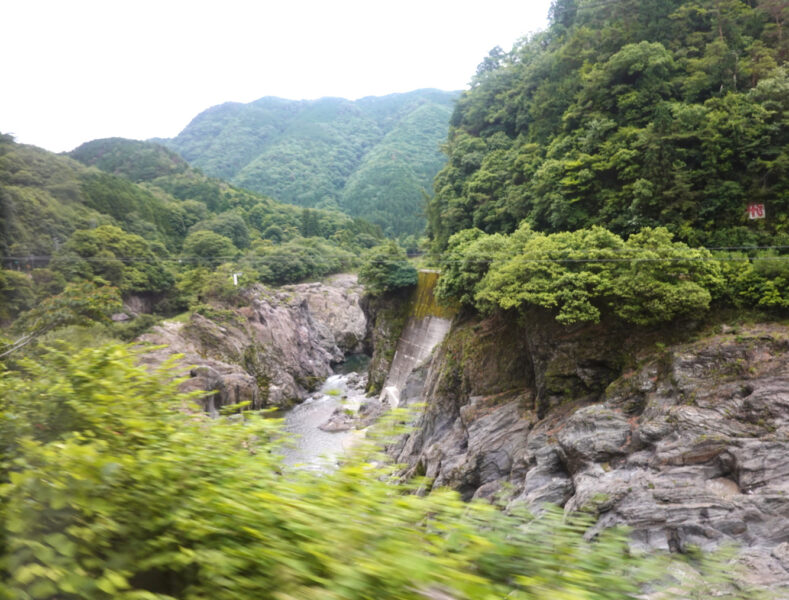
{"x": 371, "y": 158}
{"x": 135, "y": 215}
{"x": 628, "y": 114}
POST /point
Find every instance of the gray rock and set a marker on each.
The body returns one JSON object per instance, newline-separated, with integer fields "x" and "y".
{"x": 593, "y": 434}
{"x": 340, "y": 420}
{"x": 690, "y": 450}
{"x": 271, "y": 350}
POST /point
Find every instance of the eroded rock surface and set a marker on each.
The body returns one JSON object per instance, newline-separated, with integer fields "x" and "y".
{"x": 689, "y": 447}
{"x": 272, "y": 349}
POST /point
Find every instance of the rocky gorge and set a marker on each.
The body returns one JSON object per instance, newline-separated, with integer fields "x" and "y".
{"x": 680, "y": 433}
{"x": 270, "y": 347}
{"x": 686, "y": 443}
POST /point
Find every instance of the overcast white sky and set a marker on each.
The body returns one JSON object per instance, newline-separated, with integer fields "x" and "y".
{"x": 77, "y": 70}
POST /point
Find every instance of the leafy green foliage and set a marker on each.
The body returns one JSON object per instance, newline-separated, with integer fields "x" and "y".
{"x": 466, "y": 261}
{"x": 134, "y": 208}
{"x": 110, "y": 487}
{"x": 208, "y": 248}
{"x": 627, "y": 115}
{"x": 386, "y": 269}
{"x": 16, "y": 294}
{"x": 79, "y": 304}
{"x": 83, "y": 303}
{"x": 297, "y": 260}
{"x": 761, "y": 282}
{"x": 41, "y": 201}
{"x": 372, "y": 158}
{"x": 125, "y": 260}
{"x": 645, "y": 280}
{"x": 135, "y": 160}
{"x": 229, "y": 224}
{"x": 388, "y": 186}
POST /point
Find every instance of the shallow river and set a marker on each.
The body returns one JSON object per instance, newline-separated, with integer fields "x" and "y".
{"x": 314, "y": 448}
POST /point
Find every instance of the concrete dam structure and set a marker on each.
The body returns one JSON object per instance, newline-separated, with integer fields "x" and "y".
{"x": 426, "y": 326}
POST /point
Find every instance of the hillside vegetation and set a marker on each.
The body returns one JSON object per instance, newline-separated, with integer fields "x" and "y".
{"x": 628, "y": 114}
{"x": 135, "y": 216}
{"x": 371, "y": 158}
{"x": 587, "y": 163}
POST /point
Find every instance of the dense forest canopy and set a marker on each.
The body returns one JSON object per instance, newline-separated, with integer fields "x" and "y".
{"x": 372, "y": 158}
{"x": 627, "y": 114}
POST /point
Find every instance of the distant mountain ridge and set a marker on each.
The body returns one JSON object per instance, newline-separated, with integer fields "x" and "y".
{"x": 373, "y": 157}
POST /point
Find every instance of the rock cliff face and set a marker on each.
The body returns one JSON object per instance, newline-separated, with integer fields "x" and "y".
{"x": 687, "y": 443}
{"x": 271, "y": 349}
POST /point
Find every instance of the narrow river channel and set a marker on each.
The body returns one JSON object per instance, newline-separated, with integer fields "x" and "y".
{"x": 312, "y": 447}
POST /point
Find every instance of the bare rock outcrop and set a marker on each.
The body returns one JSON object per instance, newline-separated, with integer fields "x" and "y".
{"x": 688, "y": 444}
{"x": 272, "y": 349}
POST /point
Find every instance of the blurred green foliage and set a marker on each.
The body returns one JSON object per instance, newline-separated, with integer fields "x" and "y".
{"x": 111, "y": 486}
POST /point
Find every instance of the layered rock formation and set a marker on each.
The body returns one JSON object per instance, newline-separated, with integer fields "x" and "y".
{"x": 271, "y": 349}
{"x": 688, "y": 443}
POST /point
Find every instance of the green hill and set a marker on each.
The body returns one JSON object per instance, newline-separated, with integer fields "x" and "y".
{"x": 137, "y": 216}
{"x": 45, "y": 197}
{"x": 371, "y": 158}
{"x": 628, "y": 114}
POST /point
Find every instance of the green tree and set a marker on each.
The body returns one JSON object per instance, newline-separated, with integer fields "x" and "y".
{"x": 645, "y": 280}
{"x": 229, "y": 224}
{"x": 208, "y": 248}
{"x": 625, "y": 115}
{"x": 81, "y": 303}
{"x": 16, "y": 294}
{"x": 386, "y": 269}
{"x": 124, "y": 259}
{"x": 465, "y": 262}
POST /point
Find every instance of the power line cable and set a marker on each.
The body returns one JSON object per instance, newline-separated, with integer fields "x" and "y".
{"x": 228, "y": 257}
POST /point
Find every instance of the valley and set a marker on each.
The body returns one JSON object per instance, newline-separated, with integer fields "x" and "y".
{"x": 526, "y": 340}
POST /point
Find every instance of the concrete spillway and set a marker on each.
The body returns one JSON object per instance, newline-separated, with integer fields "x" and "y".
{"x": 427, "y": 324}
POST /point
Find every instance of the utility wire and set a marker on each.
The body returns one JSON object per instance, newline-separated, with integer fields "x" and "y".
{"x": 191, "y": 258}
{"x": 263, "y": 259}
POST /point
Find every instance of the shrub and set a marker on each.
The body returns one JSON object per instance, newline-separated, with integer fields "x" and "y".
{"x": 645, "y": 280}
{"x": 208, "y": 248}
{"x": 386, "y": 269}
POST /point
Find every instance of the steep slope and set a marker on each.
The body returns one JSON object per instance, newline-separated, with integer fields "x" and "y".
{"x": 46, "y": 197}
{"x": 393, "y": 177}
{"x": 271, "y": 348}
{"x": 628, "y": 114}
{"x": 372, "y": 157}
{"x": 135, "y": 215}
{"x": 684, "y": 442}
{"x": 133, "y": 159}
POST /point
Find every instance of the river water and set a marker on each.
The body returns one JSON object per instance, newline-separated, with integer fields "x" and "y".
{"x": 312, "y": 447}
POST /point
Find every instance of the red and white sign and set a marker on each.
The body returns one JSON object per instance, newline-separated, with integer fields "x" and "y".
{"x": 756, "y": 211}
